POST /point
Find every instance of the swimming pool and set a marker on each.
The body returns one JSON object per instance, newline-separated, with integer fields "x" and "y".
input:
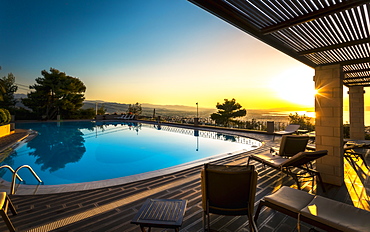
{"x": 78, "y": 152}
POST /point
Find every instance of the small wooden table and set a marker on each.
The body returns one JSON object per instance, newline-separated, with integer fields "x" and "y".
{"x": 161, "y": 213}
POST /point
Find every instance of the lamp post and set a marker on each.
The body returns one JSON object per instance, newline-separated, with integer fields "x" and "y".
{"x": 197, "y": 110}
{"x": 196, "y": 120}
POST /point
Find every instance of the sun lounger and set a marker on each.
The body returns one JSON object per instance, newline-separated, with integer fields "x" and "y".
{"x": 299, "y": 166}
{"x": 290, "y": 145}
{"x": 324, "y": 213}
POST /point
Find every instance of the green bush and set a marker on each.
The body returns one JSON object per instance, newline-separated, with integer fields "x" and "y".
{"x": 4, "y": 116}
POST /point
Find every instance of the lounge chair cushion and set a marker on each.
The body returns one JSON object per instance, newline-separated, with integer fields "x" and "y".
{"x": 337, "y": 214}
{"x": 289, "y": 198}
{"x": 303, "y": 158}
{"x": 269, "y": 158}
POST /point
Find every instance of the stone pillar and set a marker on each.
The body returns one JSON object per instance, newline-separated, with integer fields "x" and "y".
{"x": 356, "y": 112}
{"x": 329, "y": 122}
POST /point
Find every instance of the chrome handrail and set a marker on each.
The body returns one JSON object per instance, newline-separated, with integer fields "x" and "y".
{"x": 15, "y": 174}
{"x": 12, "y": 170}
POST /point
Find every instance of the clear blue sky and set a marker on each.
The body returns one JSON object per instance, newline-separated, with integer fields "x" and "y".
{"x": 147, "y": 51}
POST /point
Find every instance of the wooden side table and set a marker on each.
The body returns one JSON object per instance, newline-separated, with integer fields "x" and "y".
{"x": 161, "y": 213}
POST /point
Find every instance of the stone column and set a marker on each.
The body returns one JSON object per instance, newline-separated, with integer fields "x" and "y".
{"x": 356, "y": 112}
{"x": 329, "y": 122}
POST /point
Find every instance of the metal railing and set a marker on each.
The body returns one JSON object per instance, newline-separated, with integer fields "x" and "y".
{"x": 15, "y": 175}
{"x": 12, "y": 170}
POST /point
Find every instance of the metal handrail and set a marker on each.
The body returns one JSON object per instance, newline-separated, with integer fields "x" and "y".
{"x": 15, "y": 174}
{"x": 12, "y": 170}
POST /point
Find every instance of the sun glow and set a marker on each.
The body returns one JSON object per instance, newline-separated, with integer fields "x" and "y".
{"x": 296, "y": 85}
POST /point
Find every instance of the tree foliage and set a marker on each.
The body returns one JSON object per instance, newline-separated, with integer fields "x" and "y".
{"x": 302, "y": 120}
{"x": 101, "y": 110}
{"x": 55, "y": 93}
{"x": 8, "y": 88}
{"x": 5, "y": 116}
{"x": 135, "y": 109}
{"x": 227, "y": 111}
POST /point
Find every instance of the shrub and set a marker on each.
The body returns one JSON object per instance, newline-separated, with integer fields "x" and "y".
{"x": 4, "y": 116}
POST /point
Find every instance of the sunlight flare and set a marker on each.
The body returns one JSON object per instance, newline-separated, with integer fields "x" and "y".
{"x": 295, "y": 85}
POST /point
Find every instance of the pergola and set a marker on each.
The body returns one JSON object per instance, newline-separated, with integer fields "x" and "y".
{"x": 331, "y": 36}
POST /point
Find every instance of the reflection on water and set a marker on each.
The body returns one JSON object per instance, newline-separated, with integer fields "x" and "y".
{"x": 57, "y": 144}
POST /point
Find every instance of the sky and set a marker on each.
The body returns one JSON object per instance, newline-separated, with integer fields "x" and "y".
{"x": 167, "y": 52}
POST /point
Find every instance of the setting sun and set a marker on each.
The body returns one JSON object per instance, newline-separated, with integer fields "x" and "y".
{"x": 295, "y": 85}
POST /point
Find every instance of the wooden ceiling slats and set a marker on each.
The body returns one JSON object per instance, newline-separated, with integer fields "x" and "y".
{"x": 261, "y": 6}
{"x": 338, "y": 19}
{"x": 300, "y": 6}
{"x": 287, "y": 40}
{"x": 296, "y": 10}
{"x": 330, "y": 31}
{"x": 292, "y": 36}
{"x": 356, "y": 76}
{"x": 346, "y": 44}
{"x": 285, "y": 12}
{"x": 315, "y": 32}
{"x": 350, "y": 29}
{"x": 359, "y": 81}
{"x": 362, "y": 50}
{"x": 253, "y": 13}
{"x": 314, "y": 29}
{"x": 268, "y": 6}
{"x": 365, "y": 14}
{"x": 323, "y": 36}
{"x": 309, "y": 38}
{"x": 365, "y": 70}
{"x": 315, "y": 12}
{"x": 360, "y": 21}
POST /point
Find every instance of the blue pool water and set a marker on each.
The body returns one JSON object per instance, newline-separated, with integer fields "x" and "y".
{"x": 77, "y": 152}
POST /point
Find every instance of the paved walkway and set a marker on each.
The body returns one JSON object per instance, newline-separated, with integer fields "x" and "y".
{"x": 112, "y": 208}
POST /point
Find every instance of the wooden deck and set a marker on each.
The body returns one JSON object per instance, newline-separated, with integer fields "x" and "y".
{"x": 113, "y": 208}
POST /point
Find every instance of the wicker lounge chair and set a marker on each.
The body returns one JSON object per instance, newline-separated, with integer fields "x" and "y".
{"x": 299, "y": 166}
{"x": 318, "y": 211}
{"x": 228, "y": 190}
{"x": 290, "y": 145}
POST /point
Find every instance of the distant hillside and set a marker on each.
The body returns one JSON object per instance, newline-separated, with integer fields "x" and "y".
{"x": 161, "y": 110}
{"x": 277, "y": 114}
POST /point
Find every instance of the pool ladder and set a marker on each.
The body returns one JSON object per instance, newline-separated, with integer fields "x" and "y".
{"x": 15, "y": 175}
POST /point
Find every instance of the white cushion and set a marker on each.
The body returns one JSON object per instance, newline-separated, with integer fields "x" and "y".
{"x": 337, "y": 214}
{"x": 289, "y": 198}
